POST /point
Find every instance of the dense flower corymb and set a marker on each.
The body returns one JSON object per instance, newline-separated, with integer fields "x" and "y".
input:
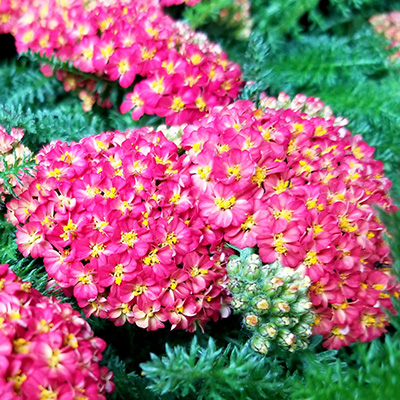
{"x": 115, "y": 221}
{"x": 47, "y": 351}
{"x": 171, "y": 71}
{"x": 302, "y": 189}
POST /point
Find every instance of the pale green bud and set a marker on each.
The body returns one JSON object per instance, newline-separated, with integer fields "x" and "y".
{"x": 261, "y": 305}
{"x": 281, "y": 321}
{"x": 239, "y": 303}
{"x": 270, "y": 330}
{"x": 301, "y": 307}
{"x": 234, "y": 266}
{"x": 236, "y": 286}
{"x": 253, "y": 259}
{"x": 251, "y": 271}
{"x": 280, "y": 307}
{"x": 251, "y": 320}
{"x": 259, "y": 344}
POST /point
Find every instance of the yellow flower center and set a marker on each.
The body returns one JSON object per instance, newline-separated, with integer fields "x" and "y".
{"x": 311, "y": 258}
{"x": 151, "y": 258}
{"x": 234, "y": 171}
{"x": 345, "y": 225}
{"x": 70, "y": 227}
{"x": 259, "y": 176}
{"x": 248, "y": 224}
{"x": 118, "y": 274}
{"x": 282, "y": 186}
{"x": 225, "y": 204}
{"x": 177, "y": 104}
{"x": 97, "y": 249}
{"x": 158, "y": 86}
{"x": 129, "y": 238}
{"x": 279, "y": 244}
{"x": 287, "y": 214}
{"x": 123, "y": 67}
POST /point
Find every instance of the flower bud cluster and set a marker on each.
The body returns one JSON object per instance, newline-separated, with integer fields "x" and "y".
{"x": 170, "y": 70}
{"x": 274, "y": 302}
{"x": 47, "y": 351}
{"x": 12, "y": 155}
{"x": 115, "y": 221}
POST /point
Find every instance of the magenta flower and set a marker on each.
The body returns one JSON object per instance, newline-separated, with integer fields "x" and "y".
{"x": 46, "y": 348}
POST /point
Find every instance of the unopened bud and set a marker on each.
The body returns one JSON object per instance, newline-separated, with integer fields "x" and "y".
{"x": 251, "y": 320}
{"x": 308, "y": 318}
{"x": 233, "y": 267}
{"x": 280, "y": 307}
{"x": 303, "y": 330}
{"x": 253, "y": 259}
{"x": 236, "y": 286}
{"x": 302, "y": 307}
{"x": 251, "y": 272}
{"x": 281, "y": 321}
{"x": 239, "y": 303}
{"x": 260, "y": 344}
{"x": 286, "y": 337}
{"x": 269, "y": 330}
{"x": 251, "y": 288}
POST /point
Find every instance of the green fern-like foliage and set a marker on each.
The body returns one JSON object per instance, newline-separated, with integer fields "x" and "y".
{"x": 40, "y": 106}
{"x": 215, "y": 373}
{"x": 370, "y": 372}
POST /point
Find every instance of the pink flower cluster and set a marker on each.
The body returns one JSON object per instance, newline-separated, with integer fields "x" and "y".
{"x": 389, "y": 26}
{"x": 12, "y": 154}
{"x": 175, "y": 72}
{"x": 47, "y": 350}
{"x": 303, "y": 191}
{"x": 115, "y": 221}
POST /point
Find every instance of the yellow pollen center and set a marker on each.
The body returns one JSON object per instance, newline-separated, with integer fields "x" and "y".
{"x": 204, "y": 172}
{"x": 123, "y": 67}
{"x": 279, "y": 244}
{"x": 151, "y": 258}
{"x": 259, "y": 176}
{"x": 225, "y": 204}
{"x": 345, "y": 225}
{"x": 282, "y": 186}
{"x": 311, "y": 258}
{"x": 177, "y": 104}
{"x": 85, "y": 279}
{"x": 158, "y": 86}
{"x": 97, "y": 249}
{"x": 248, "y": 224}
{"x": 54, "y": 358}
{"x": 118, "y": 274}
{"x": 129, "y": 238}
{"x": 234, "y": 171}
{"x": 287, "y": 214}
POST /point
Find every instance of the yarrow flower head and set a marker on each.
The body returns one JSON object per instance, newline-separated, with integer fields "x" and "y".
{"x": 116, "y": 223}
{"x": 15, "y": 162}
{"x": 47, "y": 350}
{"x": 170, "y": 70}
{"x": 302, "y": 189}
